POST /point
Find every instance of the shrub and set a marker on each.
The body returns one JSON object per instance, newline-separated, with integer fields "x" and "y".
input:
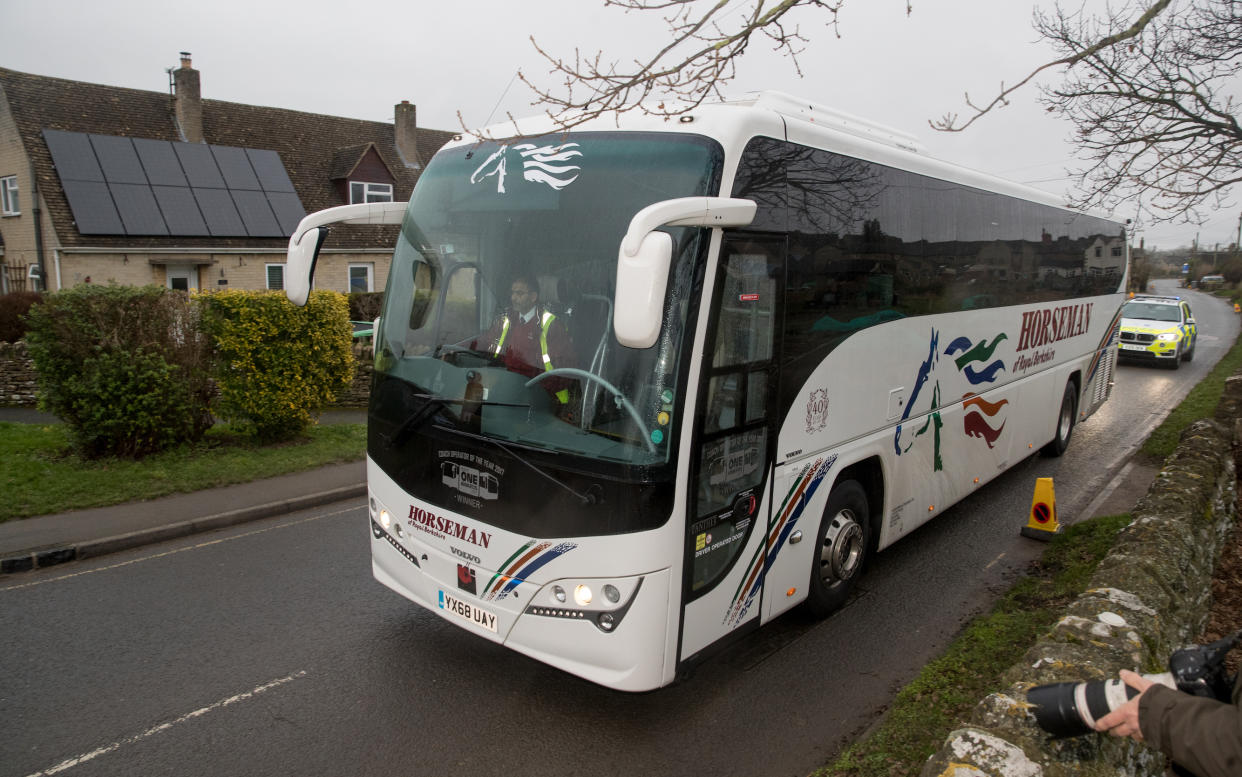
{"x": 126, "y": 368}
{"x": 365, "y": 305}
{"x": 13, "y": 309}
{"x": 278, "y": 365}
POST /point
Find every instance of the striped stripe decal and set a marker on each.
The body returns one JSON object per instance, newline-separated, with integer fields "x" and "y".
{"x": 521, "y": 564}
{"x": 790, "y": 511}
{"x": 1108, "y": 342}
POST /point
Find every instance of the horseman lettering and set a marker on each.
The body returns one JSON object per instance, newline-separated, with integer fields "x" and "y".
{"x": 1041, "y": 327}
{"x": 443, "y": 527}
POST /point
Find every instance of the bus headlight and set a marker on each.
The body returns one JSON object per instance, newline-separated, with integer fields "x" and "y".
{"x": 385, "y": 519}
{"x": 618, "y": 597}
{"x": 582, "y": 595}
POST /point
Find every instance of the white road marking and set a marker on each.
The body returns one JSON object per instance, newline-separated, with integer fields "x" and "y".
{"x": 993, "y": 563}
{"x": 1103, "y": 495}
{"x": 69, "y": 763}
{"x": 179, "y": 550}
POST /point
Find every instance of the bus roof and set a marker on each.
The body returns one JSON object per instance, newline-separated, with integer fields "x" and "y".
{"x": 786, "y": 117}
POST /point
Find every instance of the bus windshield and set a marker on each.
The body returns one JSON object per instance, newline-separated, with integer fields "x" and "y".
{"x": 545, "y": 216}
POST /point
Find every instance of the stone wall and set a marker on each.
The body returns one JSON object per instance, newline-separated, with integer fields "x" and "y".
{"x": 17, "y": 376}
{"x": 359, "y": 391}
{"x": 1148, "y": 597}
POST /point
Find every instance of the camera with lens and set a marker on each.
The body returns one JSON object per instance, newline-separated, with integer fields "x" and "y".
{"x": 1071, "y": 709}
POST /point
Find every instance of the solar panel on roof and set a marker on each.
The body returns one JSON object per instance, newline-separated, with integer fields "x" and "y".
{"x": 271, "y": 171}
{"x": 160, "y": 162}
{"x": 73, "y": 156}
{"x": 236, "y": 168}
{"x": 288, "y": 209}
{"x": 257, "y": 214}
{"x": 139, "y": 213}
{"x": 180, "y": 210}
{"x": 220, "y": 213}
{"x": 118, "y": 159}
{"x": 199, "y": 165}
{"x": 156, "y": 187}
{"x": 93, "y": 210}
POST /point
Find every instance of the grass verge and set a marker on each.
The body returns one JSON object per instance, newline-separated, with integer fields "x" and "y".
{"x": 39, "y": 476}
{"x": 1199, "y": 403}
{"x": 947, "y": 689}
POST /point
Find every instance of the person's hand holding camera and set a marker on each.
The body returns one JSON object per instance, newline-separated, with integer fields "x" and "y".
{"x": 1124, "y": 721}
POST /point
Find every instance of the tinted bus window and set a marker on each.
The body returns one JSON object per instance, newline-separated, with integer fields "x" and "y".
{"x": 870, "y": 243}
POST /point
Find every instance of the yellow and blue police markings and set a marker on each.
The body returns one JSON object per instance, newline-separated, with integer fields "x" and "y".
{"x": 1158, "y": 328}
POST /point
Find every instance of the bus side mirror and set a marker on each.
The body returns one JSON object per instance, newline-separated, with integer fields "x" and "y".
{"x": 645, "y": 255}
{"x": 307, "y": 239}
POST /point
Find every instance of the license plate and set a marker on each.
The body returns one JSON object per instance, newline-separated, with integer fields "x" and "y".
{"x": 1125, "y": 347}
{"x": 468, "y": 612}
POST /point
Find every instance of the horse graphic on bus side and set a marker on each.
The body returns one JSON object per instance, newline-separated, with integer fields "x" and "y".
{"x": 540, "y": 164}
{"x": 979, "y": 415}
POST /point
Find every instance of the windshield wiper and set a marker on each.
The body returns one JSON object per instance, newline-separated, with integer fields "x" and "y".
{"x": 433, "y": 405}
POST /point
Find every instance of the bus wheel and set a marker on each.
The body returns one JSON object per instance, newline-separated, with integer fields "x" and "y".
{"x": 1065, "y": 422}
{"x": 843, "y": 542}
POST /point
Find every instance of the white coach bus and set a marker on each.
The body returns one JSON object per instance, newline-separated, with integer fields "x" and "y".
{"x": 795, "y": 338}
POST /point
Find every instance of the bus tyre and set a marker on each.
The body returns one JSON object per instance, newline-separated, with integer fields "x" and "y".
{"x": 1065, "y": 422}
{"x": 843, "y": 543}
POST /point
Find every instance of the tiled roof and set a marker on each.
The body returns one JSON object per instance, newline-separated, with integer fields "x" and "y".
{"x": 308, "y": 144}
{"x": 346, "y": 159}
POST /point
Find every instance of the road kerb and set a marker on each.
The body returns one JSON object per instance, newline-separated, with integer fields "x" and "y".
{"x": 40, "y": 558}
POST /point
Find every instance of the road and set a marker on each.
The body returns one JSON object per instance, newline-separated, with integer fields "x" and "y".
{"x": 268, "y": 649}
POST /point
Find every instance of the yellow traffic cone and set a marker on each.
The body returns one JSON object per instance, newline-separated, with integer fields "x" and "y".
{"x": 1042, "y": 523}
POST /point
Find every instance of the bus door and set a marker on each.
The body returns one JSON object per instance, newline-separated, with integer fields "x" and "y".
{"x": 735, "y": 433}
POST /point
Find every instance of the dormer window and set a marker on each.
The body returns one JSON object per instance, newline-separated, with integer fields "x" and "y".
{"x": 360, "y": 192}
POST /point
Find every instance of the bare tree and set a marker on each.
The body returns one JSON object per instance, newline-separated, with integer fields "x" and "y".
{"x": 1146, "y": 86}
{"x": 1155, "y": 119}
{"x": 707, "y": 39}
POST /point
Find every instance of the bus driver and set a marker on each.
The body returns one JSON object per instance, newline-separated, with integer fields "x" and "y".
{"x": 529, "y": 339}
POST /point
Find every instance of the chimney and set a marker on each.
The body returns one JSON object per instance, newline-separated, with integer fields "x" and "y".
{"x": 187, "y": 101}
{"x": 405, "y": 133}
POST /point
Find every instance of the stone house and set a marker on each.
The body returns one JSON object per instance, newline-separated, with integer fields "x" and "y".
{"x": 103, "y": 184}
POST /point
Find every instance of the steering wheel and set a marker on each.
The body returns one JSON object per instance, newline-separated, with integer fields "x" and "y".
{"x": 449, "y": 352}
{"x": 573, "y": 372}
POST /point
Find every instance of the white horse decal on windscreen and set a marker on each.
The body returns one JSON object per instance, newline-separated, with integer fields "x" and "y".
{"x": 540, "y": 164}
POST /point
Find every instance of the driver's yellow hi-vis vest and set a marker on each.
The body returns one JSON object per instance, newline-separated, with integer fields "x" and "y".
{"x": 546, "y": 323}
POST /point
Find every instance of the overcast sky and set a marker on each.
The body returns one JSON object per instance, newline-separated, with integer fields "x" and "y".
{"x": 449, "y": 56}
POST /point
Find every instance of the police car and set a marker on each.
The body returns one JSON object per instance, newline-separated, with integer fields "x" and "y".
{"x": 1160, "y": 329}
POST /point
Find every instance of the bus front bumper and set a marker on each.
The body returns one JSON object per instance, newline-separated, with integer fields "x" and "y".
{"x": 619, "y": 645}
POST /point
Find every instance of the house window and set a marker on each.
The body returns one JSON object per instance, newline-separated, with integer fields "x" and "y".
{"x": 1116, "y": 250}
{"x": 360, "y": 192}
{"x": 8, "y": 196}
{"x": 361, "y": 277}
{"x": 182, "y": 277}
{"x": 276, "y": 277}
